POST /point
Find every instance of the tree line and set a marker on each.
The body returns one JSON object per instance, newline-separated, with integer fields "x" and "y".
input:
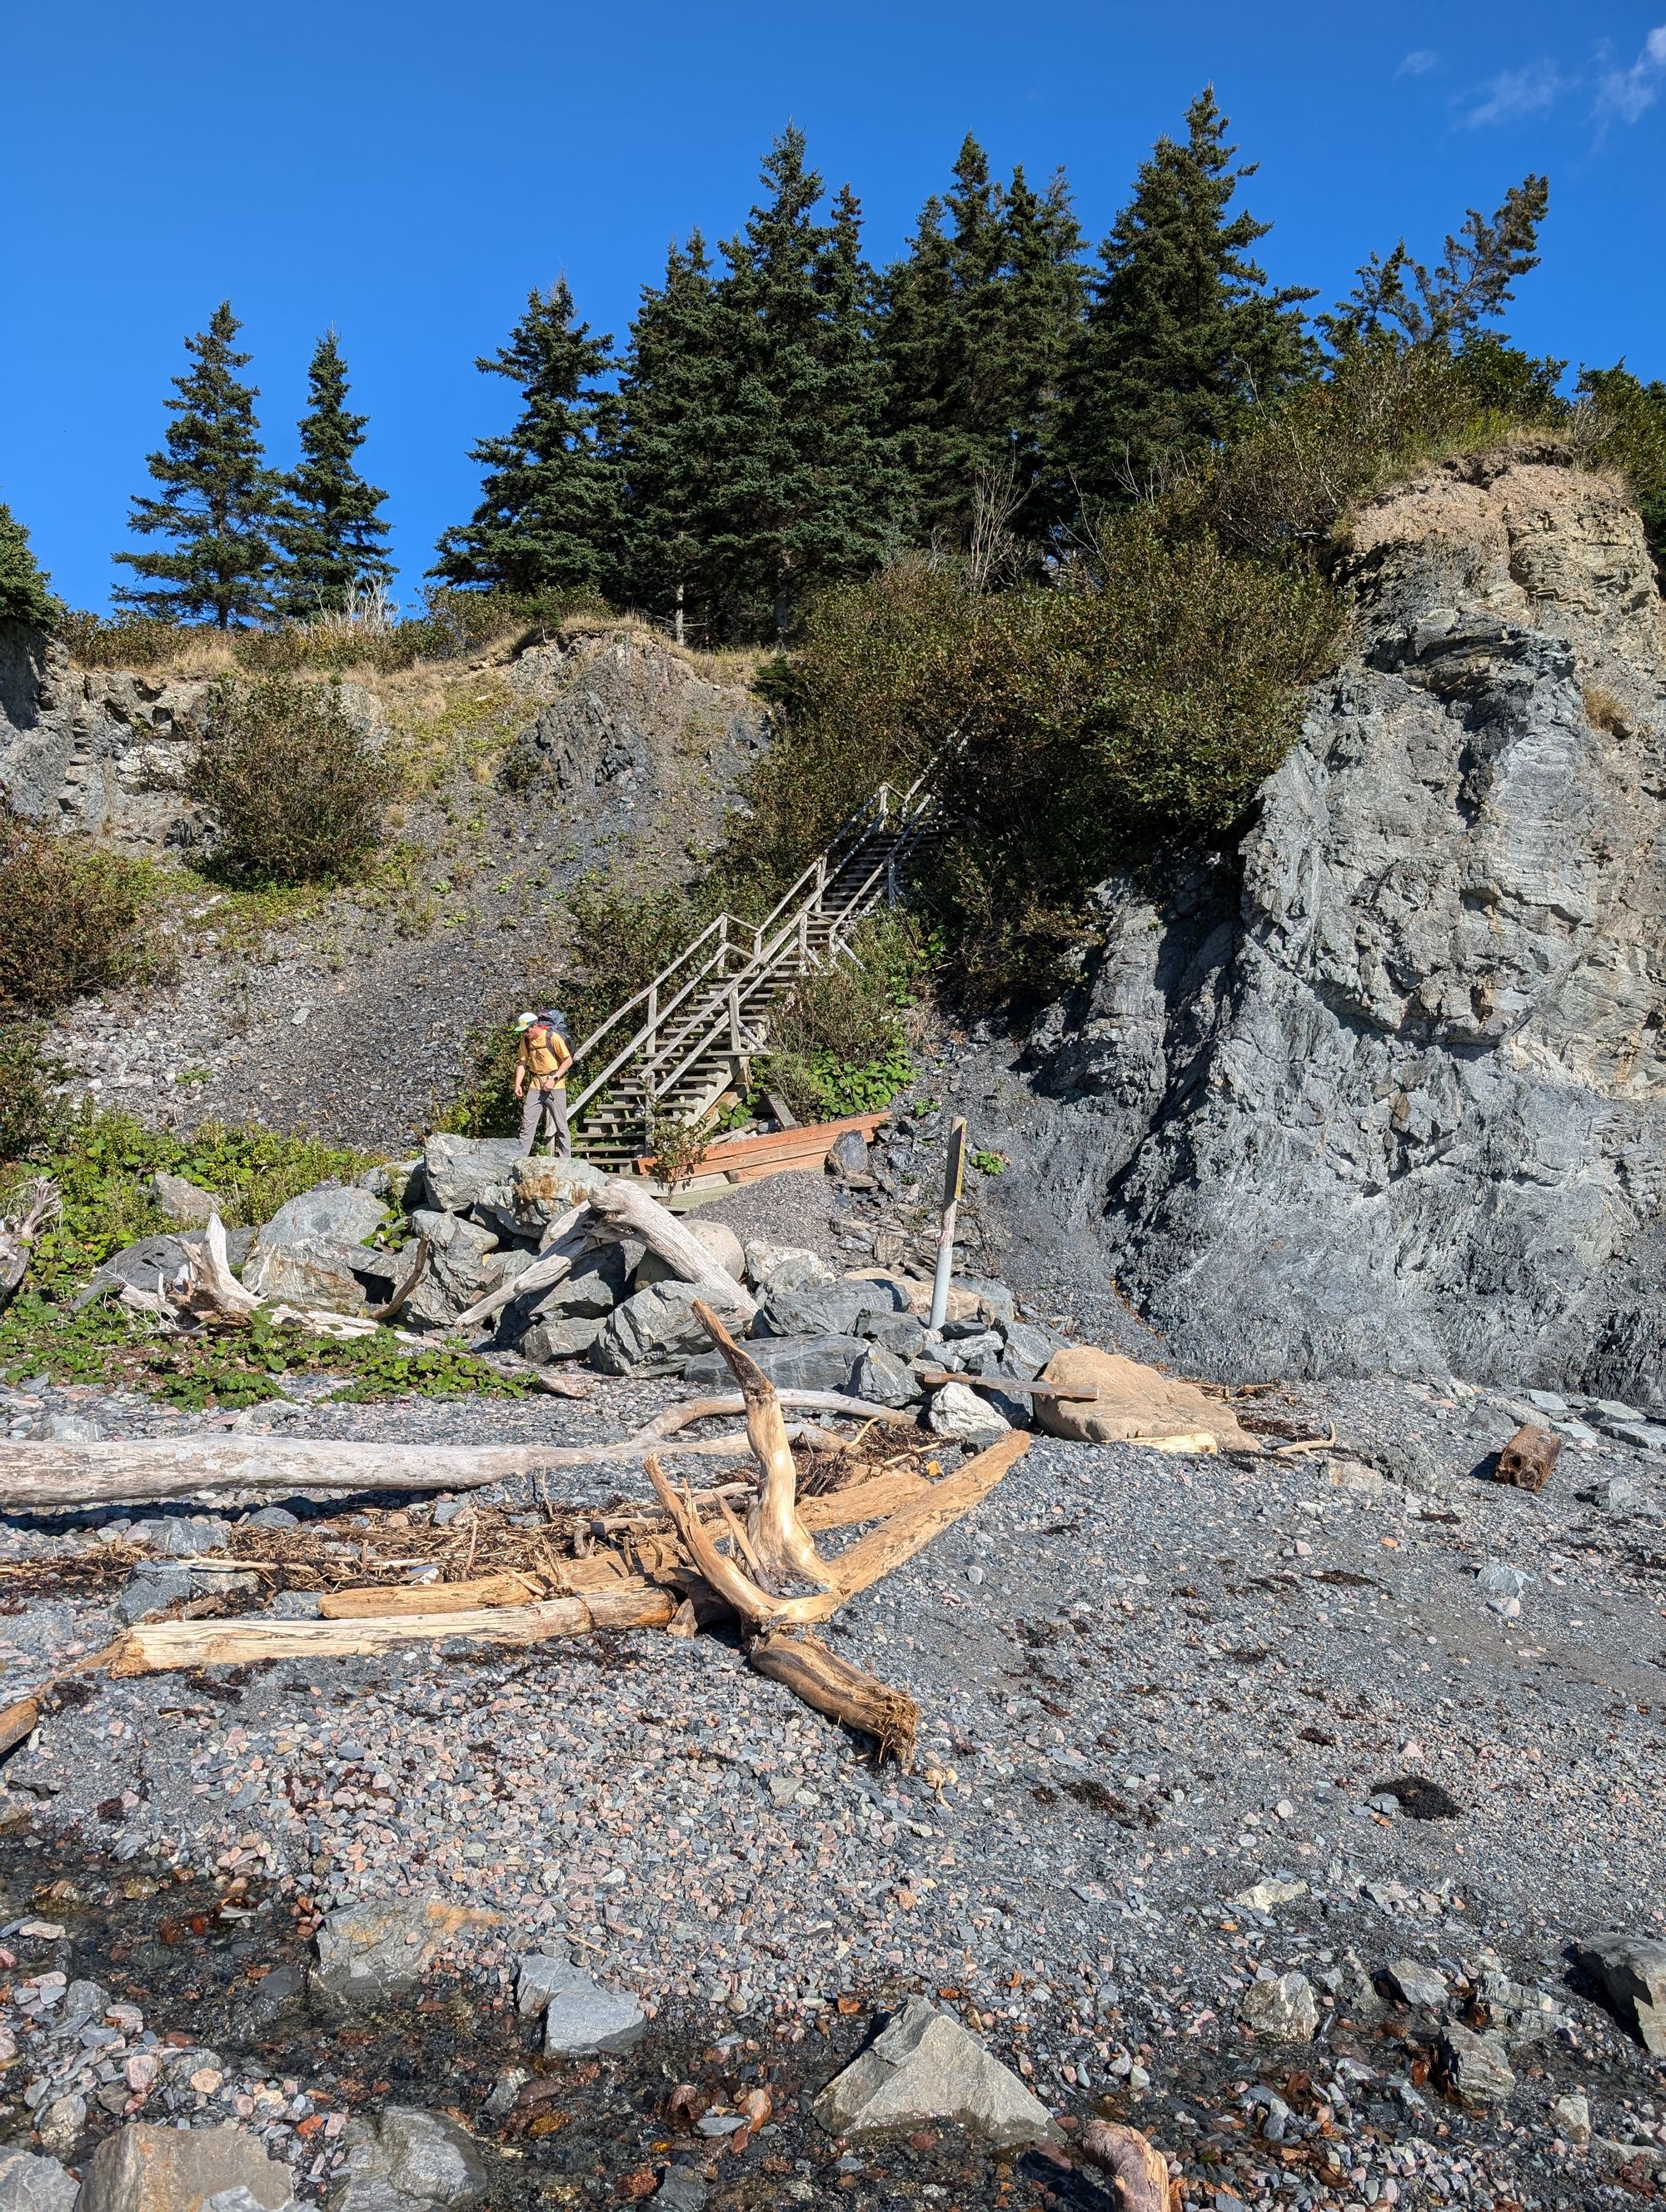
{"x": 784, "y": 417}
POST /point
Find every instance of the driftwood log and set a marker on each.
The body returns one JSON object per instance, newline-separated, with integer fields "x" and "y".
{"x": 20, "y": 1232}
{"x": 833, "y": 1685}
{"x": 625, "y": 1205}
{"x": 1134, "y": 2162}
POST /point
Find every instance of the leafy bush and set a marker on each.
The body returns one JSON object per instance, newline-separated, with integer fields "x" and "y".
{"x": 29, "y": 1111}
{"x": 70, "y": 917}
{"x": 837, "y": 1046}
{"x": 296, "y": 785}
{"x": 103, "y": 1162}
{"x": 1630, "y": 435}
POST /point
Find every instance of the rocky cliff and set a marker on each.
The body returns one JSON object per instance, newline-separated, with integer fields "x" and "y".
{"x": 1386, "y": 1087}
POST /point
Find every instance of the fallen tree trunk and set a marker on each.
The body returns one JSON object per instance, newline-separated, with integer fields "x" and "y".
{"x": 166, "y": 1644}
{"x": 377, "y": 1601}
{"x": 804, "y": 1664}
{"x": 19, "y": 1232}
{"x": 626, "y": 1205}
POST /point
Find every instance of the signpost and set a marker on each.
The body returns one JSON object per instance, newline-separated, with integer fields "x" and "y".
{"x": 954, "y": 1177}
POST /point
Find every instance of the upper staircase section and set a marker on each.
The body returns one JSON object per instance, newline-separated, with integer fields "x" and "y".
{"x": 667, "y": 1055}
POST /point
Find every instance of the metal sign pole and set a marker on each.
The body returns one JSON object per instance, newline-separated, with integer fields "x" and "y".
{"x": 954, "y": 1175}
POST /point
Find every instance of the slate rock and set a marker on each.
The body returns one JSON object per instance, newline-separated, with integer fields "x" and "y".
{"x": 371, "y": 1950}
{"x": 341, "y": 1212}
{"x": 784, "y": 1268}
{"x": 835, "y": 1308}
{"x": 564, "y": 1336}
{"x": 29, "y": 2184}
{"x": 959, "y": 1412}
{"x": 1281, "y": 2007}
{"x": 145, "y": 2168}
{"x": 902, "y": 1334}
{"x": 321, "y": 1271}
{"x": 792, "y": 1363}
{"x": 1476, "y": 2066}
{"x": 151, "y": 1591}
{"x": 1419, "y": 1985}
{"x": 540, "y": 1976}
{"x": 885, "y": 1380}
{"x": 465, "y": 1262}
{"x": 142, "y": 1266}
{"x": 584, "y": 2017}
{"x": 407, "y": 2160}
{"x": 181, "y": 1535}
{"x": 924, "y": 2066}
{"x": 1630, "y": 1972}
{"x": 459, "y": 1171}
{"x": 681, "y": 2190}
{"x": 1029, "y": 1347}
{"x": 848, "y": 1154}
{"x": 183, "y": 1201}
{"x": 653, "y": 1332}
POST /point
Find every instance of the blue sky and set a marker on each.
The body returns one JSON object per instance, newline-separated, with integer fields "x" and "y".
{"x": 408, "y": 173}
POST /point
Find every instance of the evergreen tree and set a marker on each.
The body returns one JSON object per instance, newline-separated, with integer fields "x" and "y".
{"x": 979, "y": 322}
{"x": 804, "y": 487}
{"x": 24, "y": 597}
{"x": 328, "y": 528}
{"x": 671, "y": 398}
{"x": 217, "y": 495}
{"x": 549, "y": 514}
{"x": 1182, "y": 334}
{"x": 1398, "y": 297}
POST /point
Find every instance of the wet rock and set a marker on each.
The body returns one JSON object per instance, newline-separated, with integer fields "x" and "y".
{"x": 143, "y": 2168}
{"x": 792, "y": 1363}
{"x": 1281, "y": 2007}
{"x": 1630, "y": 1971}
{"x": 959, "y": 1412}
{"x": 1476, "y": 2066}
{"x": 1417, "y": 1983}
{"x": 582, "y": 2016}
{"x": 925, "y": 2066}
{"x": 407, "y": 2162}
{"x": 29, "y": 2184}
{"x": 459, "y": 1172}
{"x": 653, "y": 1332}
{"x": 370, "y": 1950}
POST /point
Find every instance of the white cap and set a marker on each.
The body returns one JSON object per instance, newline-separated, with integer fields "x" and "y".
{"x": 525, "y": 1021}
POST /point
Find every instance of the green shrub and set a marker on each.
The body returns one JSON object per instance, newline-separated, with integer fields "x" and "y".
{"x": 29, "y": 1110}
{"x": 25, "y": 596}
{"x": 70, "y": 918}
{"x": 297, "y": 787}
{"x": 837, "y": 1045}
{"x": 1629, "y": 434}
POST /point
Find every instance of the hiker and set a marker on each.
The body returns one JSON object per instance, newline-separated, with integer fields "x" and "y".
{"x": 541, "y": 1066}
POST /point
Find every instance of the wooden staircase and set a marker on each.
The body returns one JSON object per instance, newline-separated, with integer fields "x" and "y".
{"x": 665, "y": 1057}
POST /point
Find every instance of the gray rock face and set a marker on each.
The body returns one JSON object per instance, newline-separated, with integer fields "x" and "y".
{"x": 1281, "y": 2007}
{"x": 408, "y": 2161}
{"x": 1631, "y": 1972}
{"x": 967, "y": 1416}
{"x": 654, "y": 1331}
{"x": 582, "y": 2016}
{"x": 142, "y": 2168}
{"x": 1419, "y": 1985}
{"x": 792, "y": 1363}
{"x": 886, "y": 1380}
{"x": 1476, "y": 2066}
{"x": 925, "y": 2066}
{"x": 465, "y": 1262}
{"x": 564, "y": 1336}
{"x": 34, "y": 2185}
{"x": 1390, "y": 1083}
{"x": 540, "y": 1976}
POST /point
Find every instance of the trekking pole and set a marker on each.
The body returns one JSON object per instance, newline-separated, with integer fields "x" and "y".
{"x": 954, "y": 1175}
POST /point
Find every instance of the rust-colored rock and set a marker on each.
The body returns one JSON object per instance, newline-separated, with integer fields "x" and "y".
{"x": 1527, "y": 1461}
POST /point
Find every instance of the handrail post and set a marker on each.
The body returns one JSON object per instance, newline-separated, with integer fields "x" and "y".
{"x": 734, "y": 1021}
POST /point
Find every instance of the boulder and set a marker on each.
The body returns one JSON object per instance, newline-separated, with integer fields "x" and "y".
{"x": 537, "y": 1192}
{"x": 340, "y": 1213}
{"x": 1476, "y": 2067}
{"x": 1134, "y": 1404}
{"x": 833, "y": 1309}
{"x": 582, "y": 2016}
{"x": 1630, "y": 1971}
{"x": 183, "y": 1201}
{"x": 29, "y": 2184}
{"x": 457, "y": 1172}
{"x": 902, "y": 1334}
{"x": 885, "y": 1380}
{"x": 143, "y": 2168}
{"x": 1030, "y": 1348}
{"x": 540, "y": 1976}
{"x": 465, "y": 1262}
{"x": 792, "y": 1363}
{"x": 718, "y": 1239}
{"x": 653, "y": 1332}
{"x": 924, "y": 2066}
{"x": 1417, "y": 1983}
{"x": 965, "y": 1415}
{"x": 407, "y": 2160}
{"x": 564, "y": 1336}
{"x": 783, "y": 1267}
{"x": 600, "y": 1278}
{"x": 1281, "y": 2007}
{"x": 370, "y": 1950}
{"x": 152, "y": 1260}
{"x": 308, "y": 1271}
{"x": 848, "y": 1154}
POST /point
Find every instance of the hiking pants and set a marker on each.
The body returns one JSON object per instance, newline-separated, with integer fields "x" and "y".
{"x": 538, "y": 1103}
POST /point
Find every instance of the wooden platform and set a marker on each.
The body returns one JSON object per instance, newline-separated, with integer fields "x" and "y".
{"x": 733, "y": 1160}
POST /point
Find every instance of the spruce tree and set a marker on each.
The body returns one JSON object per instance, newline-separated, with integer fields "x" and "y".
{"x": 549, "y": 514}
{"x": 217, "y": 495}
{"x": 1182, "y": 333}
{"x": 24, "y": 597}
{"x": 804, "y": 487}
{"x": 671, "y": 396}
{"x": 979, "y": 322}
{"x": 329, "y": 532}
